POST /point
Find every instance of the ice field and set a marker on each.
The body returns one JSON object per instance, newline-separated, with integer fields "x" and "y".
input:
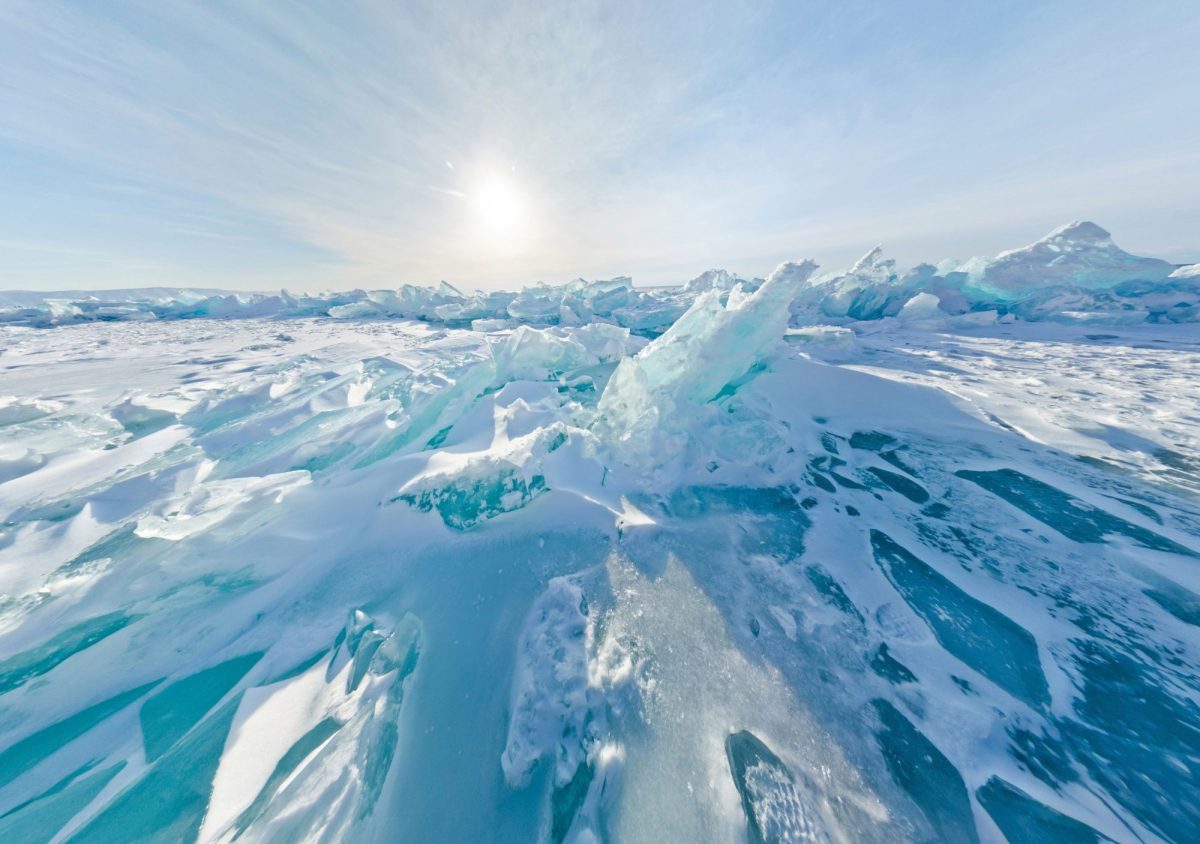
{"x": 867, "y": 556}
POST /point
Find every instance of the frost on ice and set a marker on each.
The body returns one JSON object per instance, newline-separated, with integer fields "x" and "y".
{"x": 871, "y": 555}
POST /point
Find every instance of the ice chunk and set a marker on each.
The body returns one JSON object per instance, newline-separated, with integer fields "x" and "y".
{"x": 823, "y": 341}
{"x": 650, "y": 316}
{"x": 140, "y": 417}
{"x": 533, "y": 354}
{"x": 19, "y": 464}
{"x": 213, "y": 501}
{"x": 473, "y": 495}
{"x": 708, "y": 348}
{"x": 551, "y": 700}
{"x": 565, "y": 687}
{"x": 16, "y": 411}
{"x": 712, "y": 280}
{"x": 1074, "y": 273}
{"x": 541, "y": 304}
{"x": 308, "y": 754}
{"x": 775, "y": 807}
{"x": 293, "y": 757}
{"x": 868, "y": 291}
{"x": 922, "y": 309}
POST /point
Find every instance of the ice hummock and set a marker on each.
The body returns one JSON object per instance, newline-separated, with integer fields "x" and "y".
{"x": 1079, "y": 254}
{"x": 653, "y": 398}
{"x": 1075, "y": 273}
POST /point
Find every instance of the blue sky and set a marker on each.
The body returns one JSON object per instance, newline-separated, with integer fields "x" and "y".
{"x": 258, "y": 145}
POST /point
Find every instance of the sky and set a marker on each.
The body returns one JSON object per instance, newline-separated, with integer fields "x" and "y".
{"x": 362, "y": 143}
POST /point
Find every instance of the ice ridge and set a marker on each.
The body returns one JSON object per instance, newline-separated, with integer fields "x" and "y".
{"x": 1076, "y": 273}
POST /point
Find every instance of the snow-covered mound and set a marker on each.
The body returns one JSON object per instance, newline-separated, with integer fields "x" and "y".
{"x": 364, "y": 579}
{"x": 1075, "y": 255}
{"x": 1074, "y": 274}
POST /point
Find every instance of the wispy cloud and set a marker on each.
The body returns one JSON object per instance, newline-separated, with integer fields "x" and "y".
{"x": 307, "y": 144}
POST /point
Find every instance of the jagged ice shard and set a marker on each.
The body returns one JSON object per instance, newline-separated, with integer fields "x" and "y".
{"x": 874, "y": 555}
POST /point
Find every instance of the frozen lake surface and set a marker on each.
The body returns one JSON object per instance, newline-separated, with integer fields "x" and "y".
{"x": 359, "y": 579}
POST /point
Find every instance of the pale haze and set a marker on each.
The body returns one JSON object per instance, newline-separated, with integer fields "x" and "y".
{"x": 332, "y": 145}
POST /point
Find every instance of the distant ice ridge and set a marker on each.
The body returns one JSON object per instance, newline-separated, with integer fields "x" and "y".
{"x": 1074, "y": 274}
{"x": 580, "y": 302}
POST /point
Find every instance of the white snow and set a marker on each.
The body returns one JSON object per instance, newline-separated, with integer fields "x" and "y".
{"x": 518, "y": 566}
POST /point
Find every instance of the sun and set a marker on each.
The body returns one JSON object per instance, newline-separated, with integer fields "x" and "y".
{"x": 499, "y": 207}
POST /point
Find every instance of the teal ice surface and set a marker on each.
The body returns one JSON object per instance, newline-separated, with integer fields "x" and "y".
{"x": 831, "y": 590}
{"x": 910, "y": 489}
{"x": 566, "y": 802}
{"x": 983, "y": 638}
{"x": 29, "y": 751}
{"x": 168, "y": 803}
{"x": 297, "y": 669}
{"x": 890, "y": 668}
{"x": 117, "y": 545}
{"x": 464, "y": 504}
{"x": 927, "y": 776}
{"x": 39, "y": 820}
{"x": 168, "y": 715}
{"x": 27, "y": 665}
{"x": 1069, "y": 516}
{"x": 1023, "y": 820}
{"x": 1138, "y": 737}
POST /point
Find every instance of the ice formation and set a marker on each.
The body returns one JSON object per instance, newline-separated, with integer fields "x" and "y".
{"x": 1074, "y": 274}
{"x": 867, "y": 556}
{"x": 1077, "y": 255}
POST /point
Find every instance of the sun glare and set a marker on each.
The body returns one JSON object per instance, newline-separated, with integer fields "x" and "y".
{"x": 499, "y": 207}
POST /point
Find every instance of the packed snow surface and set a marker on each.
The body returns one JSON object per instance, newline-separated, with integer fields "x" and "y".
{"x": 613, "y": 565}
